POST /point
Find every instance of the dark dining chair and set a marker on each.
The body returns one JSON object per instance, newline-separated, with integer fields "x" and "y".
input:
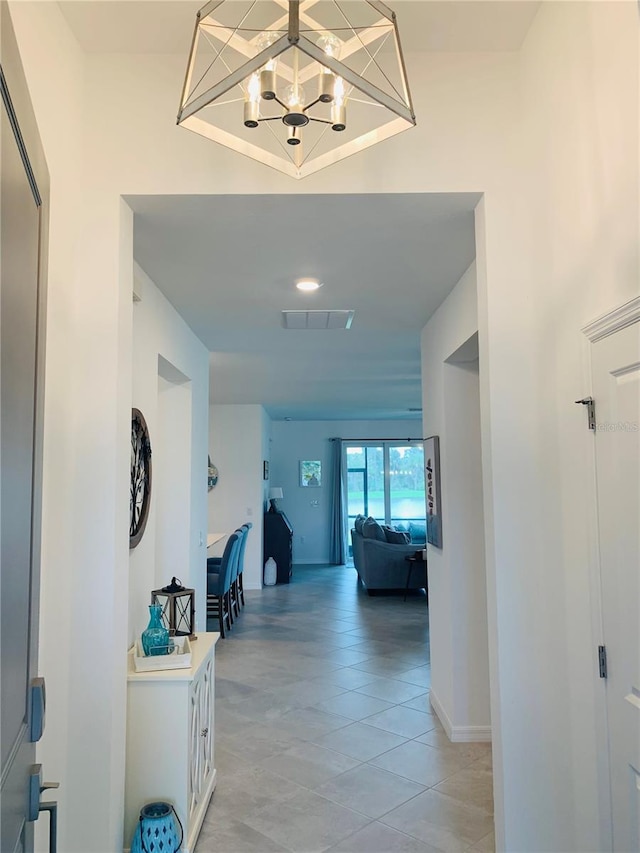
{"x": 219, "y": 580}
{"x": 239, "y": 580}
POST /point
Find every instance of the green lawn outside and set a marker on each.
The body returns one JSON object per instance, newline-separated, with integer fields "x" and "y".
{"x": 398, "y": 494}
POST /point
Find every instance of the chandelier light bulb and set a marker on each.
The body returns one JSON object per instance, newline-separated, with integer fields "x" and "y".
{"x": 252, "y": 101}
{"x": 330, "y": 44}
{"x": 268, "y": 83}
{"x": 253, "y": 88}
{"x": 294, "y": 97}
{"x": 326, "y": 86}
{"x": 266, "y": 39}
{"x": 268, "y": 73}
{"x": 338, "y": 107}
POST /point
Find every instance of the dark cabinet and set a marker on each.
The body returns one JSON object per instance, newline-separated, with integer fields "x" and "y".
{"x": 278, "y": 543}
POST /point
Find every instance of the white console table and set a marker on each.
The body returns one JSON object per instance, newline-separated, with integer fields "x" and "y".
{"x": 170, "y": 740}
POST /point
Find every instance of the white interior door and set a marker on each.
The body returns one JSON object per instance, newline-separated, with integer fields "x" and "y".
{"x": 616, "y": 390}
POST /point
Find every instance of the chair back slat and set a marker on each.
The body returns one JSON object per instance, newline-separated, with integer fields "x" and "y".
{"x": 229, "y": 558}
{"x": 236, "y": 569}
{"x": 245, "y": 535}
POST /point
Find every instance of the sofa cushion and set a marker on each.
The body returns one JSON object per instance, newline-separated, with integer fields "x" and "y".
{"x": 396, "y": 537}
{"x": 372, "y": 530}
{"x": 418, "y": 531}
{"x": 359, "y": 521}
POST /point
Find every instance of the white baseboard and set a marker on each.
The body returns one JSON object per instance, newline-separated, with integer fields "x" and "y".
{"x": 459, "y": 734}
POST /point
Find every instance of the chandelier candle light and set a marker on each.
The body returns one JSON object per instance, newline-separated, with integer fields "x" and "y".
{"x": 296, "y": 84}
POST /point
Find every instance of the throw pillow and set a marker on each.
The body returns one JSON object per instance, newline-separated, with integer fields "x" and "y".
{"x": 358, "y": 523}
{"x": 372, "y": 530}
{"x": 396, "y": 537}
{"x": 418, "y": 531}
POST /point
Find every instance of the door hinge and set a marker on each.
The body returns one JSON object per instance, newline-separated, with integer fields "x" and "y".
{"x": 602, "y": 661}
{"x": 589, "y": 402}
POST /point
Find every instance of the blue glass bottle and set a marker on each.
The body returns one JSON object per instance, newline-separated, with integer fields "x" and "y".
{"x": 155, "y": 637}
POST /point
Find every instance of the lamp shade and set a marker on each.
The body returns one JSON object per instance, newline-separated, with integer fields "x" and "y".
{"x": 275, "y": 493}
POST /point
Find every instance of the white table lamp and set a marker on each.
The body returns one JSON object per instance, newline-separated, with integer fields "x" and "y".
{"x": 275, "y": 494}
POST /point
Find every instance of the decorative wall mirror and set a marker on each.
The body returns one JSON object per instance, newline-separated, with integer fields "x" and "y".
{"x": 212, "y": 475}
{"x": 140, "y": 491}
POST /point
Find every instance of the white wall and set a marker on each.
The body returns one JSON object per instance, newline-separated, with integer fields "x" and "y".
{"x": 550, "y": 136}
{"x": 472, "y": 716}
{"x": 170, "y": 386}
{"x": 293, "y": 441}
{"x": 457, "y": 578}
{"x": 238, "y": 438}
{"x": 569, "y": 252}
{"x": 59, "y": 751}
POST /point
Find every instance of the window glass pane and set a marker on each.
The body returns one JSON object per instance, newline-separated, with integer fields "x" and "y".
{"x": 355, "y": 457}
{"x": 355, "y": 494}
{"x": 375, "y": 482}
{"x": 406, "y": 484}
{"x": 366, "y": 486}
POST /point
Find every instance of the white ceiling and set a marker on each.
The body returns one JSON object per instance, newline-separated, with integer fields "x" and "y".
{"x": 228, "y": 264}
{"x": 165, "y": 26}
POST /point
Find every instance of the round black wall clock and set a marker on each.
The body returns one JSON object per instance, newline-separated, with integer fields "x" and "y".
{"x": 140, "y": 496}
{"x": 212, "y": 475}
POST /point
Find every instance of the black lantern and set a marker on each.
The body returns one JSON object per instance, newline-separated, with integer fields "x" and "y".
{"x": 178, "y": 608}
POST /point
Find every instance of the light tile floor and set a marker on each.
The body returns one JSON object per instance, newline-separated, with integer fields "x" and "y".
{"x": 325, "y": 739}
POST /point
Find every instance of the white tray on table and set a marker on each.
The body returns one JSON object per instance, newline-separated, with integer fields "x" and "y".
{"x": 179, "y": 658}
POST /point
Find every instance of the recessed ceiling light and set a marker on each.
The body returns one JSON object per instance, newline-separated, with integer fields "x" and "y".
{"x": 308, "y": 285}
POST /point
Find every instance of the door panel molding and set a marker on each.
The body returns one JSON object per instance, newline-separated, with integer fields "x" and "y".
{"x": 613, "y": 321}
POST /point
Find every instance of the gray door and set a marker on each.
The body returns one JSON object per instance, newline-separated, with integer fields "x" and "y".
{"x": 23, "y": 219}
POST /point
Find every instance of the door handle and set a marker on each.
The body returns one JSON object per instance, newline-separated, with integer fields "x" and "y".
{"x": 38, "y": 704}
{"x": 52, "y": 808}
{"x": 35, "y": 807}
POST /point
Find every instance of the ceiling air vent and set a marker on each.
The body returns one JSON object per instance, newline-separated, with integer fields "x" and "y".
{"x": 338, "y": 319}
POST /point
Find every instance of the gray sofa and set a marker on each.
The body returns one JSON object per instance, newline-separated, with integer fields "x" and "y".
{"x": 381, "y": 564}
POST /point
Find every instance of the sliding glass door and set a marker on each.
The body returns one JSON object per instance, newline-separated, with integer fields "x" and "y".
{"x": 385, "y": 479}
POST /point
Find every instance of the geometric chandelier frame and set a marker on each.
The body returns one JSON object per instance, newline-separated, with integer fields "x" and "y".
{"x": 296, "y": 84}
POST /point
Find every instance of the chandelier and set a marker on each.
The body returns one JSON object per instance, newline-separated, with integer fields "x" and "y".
{"x": 296, "y": 84}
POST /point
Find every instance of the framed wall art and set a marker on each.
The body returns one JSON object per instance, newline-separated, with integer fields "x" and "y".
{"x": 311, "y": 473}
{"x": 432, "y": 490}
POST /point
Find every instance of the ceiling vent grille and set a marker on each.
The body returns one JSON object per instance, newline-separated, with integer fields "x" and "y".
{"x": 336, "y": 319}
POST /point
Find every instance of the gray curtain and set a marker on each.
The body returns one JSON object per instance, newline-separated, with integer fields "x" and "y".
{"x": 337, "y": 544}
